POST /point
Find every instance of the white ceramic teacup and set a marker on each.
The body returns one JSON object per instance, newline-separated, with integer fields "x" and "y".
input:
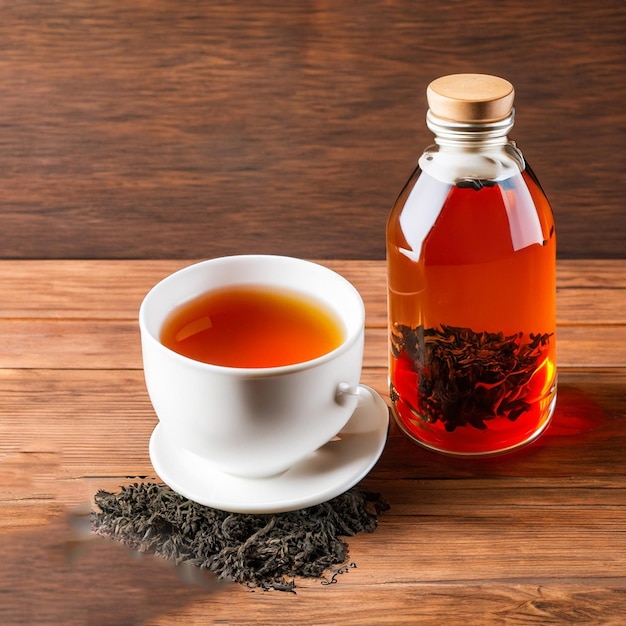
{"x": 253, "y": 422}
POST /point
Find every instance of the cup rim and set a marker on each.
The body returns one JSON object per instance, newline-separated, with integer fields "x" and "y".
{"x": 252, "y": 372}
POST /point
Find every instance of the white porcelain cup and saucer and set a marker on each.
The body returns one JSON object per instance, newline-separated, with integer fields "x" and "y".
{"x": 268, "y": 439}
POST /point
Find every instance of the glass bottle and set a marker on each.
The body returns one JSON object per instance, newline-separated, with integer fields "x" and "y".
{"x": 471, "y": 261}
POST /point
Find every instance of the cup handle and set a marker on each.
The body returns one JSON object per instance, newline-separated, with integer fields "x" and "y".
{"x": 345, "y": 391}
{"x": 363, "y": 420}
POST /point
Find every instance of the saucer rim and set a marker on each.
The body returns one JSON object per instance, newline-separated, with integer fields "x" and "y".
{"x": 328, "y": 490}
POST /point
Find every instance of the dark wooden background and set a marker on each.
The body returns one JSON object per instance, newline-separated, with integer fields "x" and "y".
{"x": 161, "y": 128}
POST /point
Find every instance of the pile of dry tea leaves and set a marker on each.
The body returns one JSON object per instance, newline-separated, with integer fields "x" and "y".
{"x": 266, "y": 551}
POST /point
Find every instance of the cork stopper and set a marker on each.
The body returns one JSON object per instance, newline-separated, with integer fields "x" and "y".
{"x": 470, "y": 98}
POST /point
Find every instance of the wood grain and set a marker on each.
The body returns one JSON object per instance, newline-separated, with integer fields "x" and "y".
{"x": 536, "y": 537}
{"x": 88, "y": 345}
{"x": 428, "y": 603}
{"x": 161, "y": 129}
{"x": 86, "y": 317}
{"x": 69, "y": 290}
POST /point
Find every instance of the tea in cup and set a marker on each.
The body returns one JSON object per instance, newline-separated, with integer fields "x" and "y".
{"x": 252, "y": 362}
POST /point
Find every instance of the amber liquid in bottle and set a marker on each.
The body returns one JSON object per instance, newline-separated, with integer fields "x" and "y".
{"x": 471, "y": 303}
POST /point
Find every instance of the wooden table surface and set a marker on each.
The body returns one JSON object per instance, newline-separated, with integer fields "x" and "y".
{"x": 538, "y": 537}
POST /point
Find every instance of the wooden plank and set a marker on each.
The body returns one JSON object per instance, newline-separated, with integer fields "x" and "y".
{"x": 102, "y": 344}
{"x": 97, "y": 421}
{"x": 591, "y": 346}
{"x": 541, "y": 601}
{"x": 78, "y": 289}
{"x": 40, "y": 566}
{"x": 83, "y": 423}
{"x": 114, "y": 289}
{"x": 92, "y": 344}
{"x": 591, "y": 306}
{"x": 589, "y": 292}
{"x": 591, "y": 273}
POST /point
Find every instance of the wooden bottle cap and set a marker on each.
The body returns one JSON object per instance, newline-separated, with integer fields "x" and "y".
{"x": 470, "y": 97}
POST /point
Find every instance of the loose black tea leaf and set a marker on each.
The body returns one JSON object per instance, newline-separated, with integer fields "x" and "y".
{"x": 466, "y": 378}
{"x": 266, "y": 551}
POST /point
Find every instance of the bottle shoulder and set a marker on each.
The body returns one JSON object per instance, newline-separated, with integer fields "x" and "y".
{"x": 456, "y": 164}
{"x": 513, "y": 210}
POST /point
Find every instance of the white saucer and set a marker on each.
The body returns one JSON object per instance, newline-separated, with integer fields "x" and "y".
{"x": 324, "y": 474}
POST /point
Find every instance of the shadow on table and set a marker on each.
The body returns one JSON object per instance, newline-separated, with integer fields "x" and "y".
{"x": 581, "y": 434}
{"x": 62, "y": 574}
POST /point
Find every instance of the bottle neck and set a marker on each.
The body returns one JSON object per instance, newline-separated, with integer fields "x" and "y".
{"x": 470, "y": 135}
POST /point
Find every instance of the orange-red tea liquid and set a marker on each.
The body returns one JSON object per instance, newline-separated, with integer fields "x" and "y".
{"x": 252, "y": 326}
{"x": 484, "y": 264}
